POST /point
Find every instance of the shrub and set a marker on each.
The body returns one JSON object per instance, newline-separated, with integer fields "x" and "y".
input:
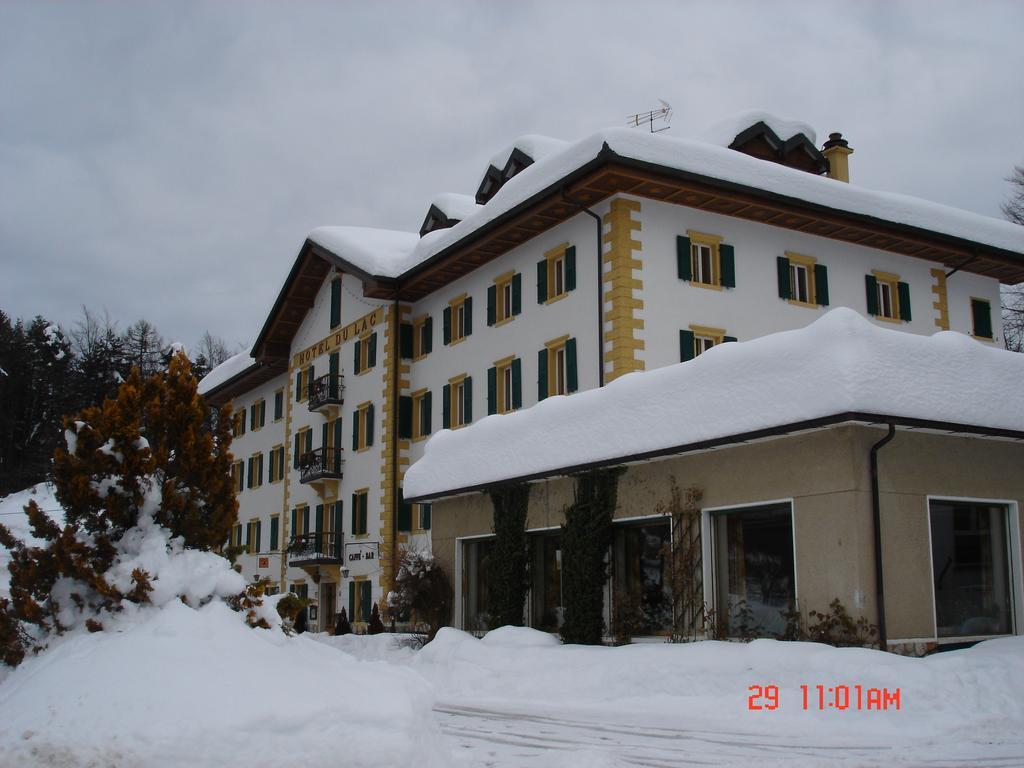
{"x": 422, "y": 590}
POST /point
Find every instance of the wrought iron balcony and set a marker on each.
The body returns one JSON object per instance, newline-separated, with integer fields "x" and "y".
{"x": 315, "y": 549}
{"x": 321, "y": 464}
{"x": 324, "y": 391}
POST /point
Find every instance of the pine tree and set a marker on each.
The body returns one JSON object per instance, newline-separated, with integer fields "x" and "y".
{"x": 376, "y": 626}
{"x": 507, "y": 575}
{"x": 145, "y": 452}
{"x": 343, "y": 625}
{"x": 144, "y": 347}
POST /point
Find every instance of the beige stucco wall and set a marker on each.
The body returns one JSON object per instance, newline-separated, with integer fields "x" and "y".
{"x": 827, "y": 476}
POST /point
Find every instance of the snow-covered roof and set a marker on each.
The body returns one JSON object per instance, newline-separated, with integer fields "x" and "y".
{"x": 391, "y": 254}
{"x": 724, "y": 131}
{"x": 455, "y": 205}
{"x": 225, "y": 371}
{"x": 840, "y": 364}
{"x": 381, "y": 252}
{"x": 536, "y": 146}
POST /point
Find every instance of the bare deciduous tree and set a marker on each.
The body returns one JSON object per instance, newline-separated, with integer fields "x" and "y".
{"x": 1013, "y": 297}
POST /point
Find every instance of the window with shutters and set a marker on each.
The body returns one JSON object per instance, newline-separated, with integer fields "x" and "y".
{"x": 802, "y": 281}
{"x": 279, "y": 405}
{"x": 238, "y": 424}
{"x": 275, "y": 532}
{"x": 504, "y": 386}
{"x": 705, "y": 261}
{"x": 303, "y": 444}
{"x": 300, "y": 589}
{"x": 276, "y": 464}
{"x": 253, "y": 534}
{"x": 981, "y": 319}
{"x": 458, "y": 319}
{"x": 422, "y": 337}
{"x": 257, "y": 414}
{"x": 887, "y": 297}
{"x": 421, "y": 405}
{"x": 556, "y": 274}
{"x": 302, "y": 381}
{"x": 255, "y": 470}
{"x": 422, "y": 517}
{"x": 458, "y": 402}
{"x": 365, "y": 353}
{"x": 700, "y": 338}
{"x": 360, "y": 505}
{"x": 504, "y": 298}
{"x": 362, "y": 427}
{"x": 236, "y": 535}
{"x": 238, "y": 476}
{"x": 557, "y": 368}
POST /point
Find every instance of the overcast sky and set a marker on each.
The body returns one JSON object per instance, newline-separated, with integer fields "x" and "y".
{"x": 166, "y": 160}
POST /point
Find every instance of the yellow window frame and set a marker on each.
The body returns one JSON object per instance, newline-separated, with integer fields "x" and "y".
{"x": 712, "y": 243}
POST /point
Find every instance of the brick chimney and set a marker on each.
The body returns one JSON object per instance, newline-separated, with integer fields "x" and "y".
{"x": 837, "y": 151}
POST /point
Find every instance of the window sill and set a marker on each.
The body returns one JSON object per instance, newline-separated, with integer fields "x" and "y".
{"x": 557, "y": 297}
{"x": 420, "y": 438}
{"x": 364, "y": 449}
{"x": 417, "y": 358}
{"x": 893, "y": 320}
{"x": 987, "y": 339}
{"x": 504, "y": 321}
{"x": 709, "y": 286}
{"x": 366, "y": 370}
{"x": 459, "y": 340}
{"x": 808, "y": 304}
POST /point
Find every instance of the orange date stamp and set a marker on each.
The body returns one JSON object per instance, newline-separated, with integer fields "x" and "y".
{"x": 828, "y": 697}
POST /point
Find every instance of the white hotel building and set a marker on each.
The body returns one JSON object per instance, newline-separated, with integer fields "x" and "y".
{"x": 573, "y": 265}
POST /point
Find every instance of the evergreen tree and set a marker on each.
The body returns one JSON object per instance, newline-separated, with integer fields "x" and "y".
{"x": 144, "y": 347}
{"x": 342, "y": 627}
{"x": 376, "y": 626}
{"x": 99, "y": 364}
{"x": 144, "y": 453}
{"x": 507, "y": 576}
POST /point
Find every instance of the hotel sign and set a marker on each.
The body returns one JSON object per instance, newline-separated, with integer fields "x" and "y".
{"x": 339, "y": 336}
{"x": 362, "y": 557}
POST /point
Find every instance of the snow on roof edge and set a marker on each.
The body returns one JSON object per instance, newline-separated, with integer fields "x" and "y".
{"x": 842, "y": 363}
{"x": 227, "y": 370}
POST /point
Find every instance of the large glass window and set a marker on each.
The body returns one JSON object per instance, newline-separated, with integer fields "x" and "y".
{"x": 642, "y": 574}
{"x": 754, "y": 570}
{"x": 475, "y": 556}
{"x": 546, "y": 573}
{"x": 970, "y": 567}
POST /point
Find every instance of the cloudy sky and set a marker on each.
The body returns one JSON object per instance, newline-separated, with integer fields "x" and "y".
{"x": 165, "y": 160}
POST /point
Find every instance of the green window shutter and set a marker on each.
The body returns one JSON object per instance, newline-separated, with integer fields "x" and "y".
{"x": 248, "y": 539}
{"x": 263, "y": 413}
{"x": 570, "y": 268}
{"x": 405, "y": 341}
{"x": 323, "y": 435}
{"x": 355, "y": 430}
{"x": 336, "y": 517}
{"x": 296, "y": 450}
{"x": 404, "y": 513}
{"x": 404, "y": 417}
{"x": 468, "y": 314}
{"x": 904, "y": 291}
{"x": 467, "y": 398}
{"x": 981, "y": 317}
{"x": 249, "y": 480}
{"x": 309, "y": 440}
{"x": 274, "y": 533}
{"x": 821, "y": 285}
{"x": 352, "y": 601}
{"x": 571, "y": 377}
{"x": 871, "y": 289}
{"x": 310, "y": 378}
{"x": 364, "y": 499}
{"x": 337, "y": 439}
{"x": 492, "y": 298}
{"x": 517, "y": 383}
{"x": 446, "y": 407}
{"x": 318, "y": 520}
{"x": 782, "y": 270}
{"x": 298, "y": 386}
{"x": 517, "y": 293}
{"x": 542, "y": 281}
{"x": 425, "y": 516}
{"x": 354, "y": 514}
{"x": 683, "y": 267}
{"x": 365, "y": 600}
{"x": 428, "y": 336}
{"x": 727, "y": 265}
{"x": 356, "y": 349}
{"x": 492, "y": 391}
{"x": 252, "y": 416}
{"x": 726, "y": 339}
{"x": 447, "y": 324}
{"x": 685, "y": 345}
{"x": 334, "y": 364}
{"x": 259, "y": 535}
{"x": 371, "y": 355}
{"x": 427, "y": 405}
{"x": 259, "y": 466}
{"x": 335, "y": 303}
{"x": 369, "y": 424}
{"x": 305, "y": 521}
{"x": 542, "y": 374}
{"x": 295, "y": 522}
{"x": 278, "y": 405}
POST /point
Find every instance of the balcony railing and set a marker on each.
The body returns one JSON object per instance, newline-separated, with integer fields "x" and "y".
{"x": 324, "y": 391}
{"x": 321, "y": 464}
{"x": 315, "y": 549}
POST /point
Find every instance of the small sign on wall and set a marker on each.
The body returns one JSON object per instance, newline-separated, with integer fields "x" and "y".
{"x": 264, "y": 562}
{"x": 362, "y": 557}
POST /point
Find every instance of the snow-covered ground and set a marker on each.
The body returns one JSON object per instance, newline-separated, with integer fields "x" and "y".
{"x": 173, "y": 685}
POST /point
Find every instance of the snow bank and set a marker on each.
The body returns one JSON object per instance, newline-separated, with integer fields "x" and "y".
{"x": 960, "y": 697}
{"x": 840, "y": 363}
{"x": 12, "y": 515}
{"x": 177, "y": 686}
{"x": 725, "y": 131}
{"x": 226, "y": 370}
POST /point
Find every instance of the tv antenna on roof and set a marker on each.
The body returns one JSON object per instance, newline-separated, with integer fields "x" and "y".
{"x": 664, "y": 112}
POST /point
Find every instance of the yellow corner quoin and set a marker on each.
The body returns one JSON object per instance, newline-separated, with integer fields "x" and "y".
{"x": 623, "y": 260}
{"x": 941, "y": 303}
{"x": 339, "y": 336}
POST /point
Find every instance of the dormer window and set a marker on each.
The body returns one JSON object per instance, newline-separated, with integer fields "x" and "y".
{"x": 517, "y": 161}
{"x": 491, "y": 183}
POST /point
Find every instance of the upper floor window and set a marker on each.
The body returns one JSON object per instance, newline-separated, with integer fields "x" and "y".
{"x": 416, "y": 338}
{"x": 253, "y": 535}
{"x": 504, "y": 298}
{"x": 303, "y": 378}
{"x": 802, "y": 280}
{"x": 414, "y": 415}
{"x": 360, "y": 502}
{"x": 238, "y": 476}
{"x": 362, "y": 427}
{"x": 457, "y": 405}
{"x": 255, "y": 470}
{"x": 556, "y": 273}
{"x": 887, "y": 297}
{"x": 303, "y": 444}
{"x": 700, "y": 338}
{"x": 704, "y": 260}
{"x": 276, "y": 471}
{"x": 365, "y": 353}
{"x": 557, "y": 372}
{"x": 257, "y": 414}
{"x": 504, "y": 386}
{"x": 279, "y": 405}
{"x": 238, "y": 424}
{"x": 981, "y": 318}
{"x": 458, "y": 319}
